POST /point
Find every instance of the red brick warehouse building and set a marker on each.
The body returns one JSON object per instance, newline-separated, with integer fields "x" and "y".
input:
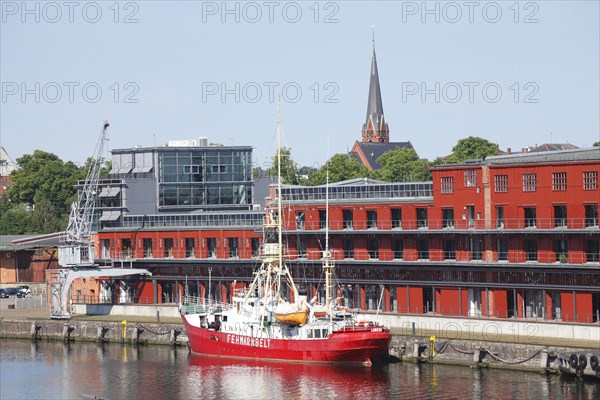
{"x": 513, "y": 236}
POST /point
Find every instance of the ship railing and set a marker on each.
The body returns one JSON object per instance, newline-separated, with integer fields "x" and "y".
{"x": 200, "y": 305}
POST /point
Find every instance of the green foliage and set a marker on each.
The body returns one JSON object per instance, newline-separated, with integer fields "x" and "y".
{"x": 289, "y": 170}
{"x": 402, "y": 165}
{"x": 45, "y": 220}
{"x": 472, "y": 148}
{"x": 16, "y": 221}
{"x": 340, "y": 167}
{"x": 41, "y": 193}
{"x": 597, "y": 144}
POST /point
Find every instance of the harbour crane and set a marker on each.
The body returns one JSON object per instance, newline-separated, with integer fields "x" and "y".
{"x": 76, "y": 249}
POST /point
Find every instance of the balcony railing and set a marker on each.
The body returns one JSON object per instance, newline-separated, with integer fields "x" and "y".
{"x": 458, "y": 224}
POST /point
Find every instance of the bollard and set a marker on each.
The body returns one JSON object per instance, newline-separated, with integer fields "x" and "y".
{"x": 413, "y": 329}
{"x": 138, "y": 333}
{"x": 476, "y": 356}
{"x": 544, "y": 359}
{"x": 416, "y": 352}
{"x": 174, "y": 334}
{"x": 157, "y": 316}
{"x": 35, "y": 329}
{"x": 67, "y": 329}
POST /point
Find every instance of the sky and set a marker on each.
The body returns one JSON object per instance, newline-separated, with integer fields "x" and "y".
{"x": 515, "y": 73}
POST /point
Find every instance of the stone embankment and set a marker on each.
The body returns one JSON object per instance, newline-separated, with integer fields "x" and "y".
{"x": 484, "y": 354}
{"x": 95, "y": 331}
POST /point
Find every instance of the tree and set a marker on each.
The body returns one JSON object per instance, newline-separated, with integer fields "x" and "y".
{"x": 472, "y": 148}
{"x": 597, "y": 144}
{"x": 340, "y": 167}
{"x": 289, "y": 170}
{"x": 402, "y": 165}
{"x": 45, "y": 184}
{"x": 45, "y": 220}
{"x": 16, "y": 221}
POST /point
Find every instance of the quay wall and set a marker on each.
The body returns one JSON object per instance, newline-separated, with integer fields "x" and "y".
{"x": 94, "y": 331}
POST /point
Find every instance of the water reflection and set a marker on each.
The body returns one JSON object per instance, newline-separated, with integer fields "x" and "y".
{"x": 261, "y": 380}
{"x": 54, "y": 370}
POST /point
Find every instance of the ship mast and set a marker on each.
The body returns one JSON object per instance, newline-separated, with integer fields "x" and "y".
{"x": 282, "y": 266}
{"x": 327, "y": 259}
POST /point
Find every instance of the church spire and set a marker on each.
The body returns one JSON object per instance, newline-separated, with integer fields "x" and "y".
{"x": 375, "y": 128}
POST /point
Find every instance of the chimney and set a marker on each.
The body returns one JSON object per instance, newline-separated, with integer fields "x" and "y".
{"x": 508, "y": 150}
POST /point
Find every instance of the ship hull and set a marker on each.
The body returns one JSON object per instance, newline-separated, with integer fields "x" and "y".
{"x": 349, "y": 346}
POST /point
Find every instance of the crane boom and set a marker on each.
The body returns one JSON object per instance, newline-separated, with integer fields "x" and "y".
{"x": 76, "y": 248}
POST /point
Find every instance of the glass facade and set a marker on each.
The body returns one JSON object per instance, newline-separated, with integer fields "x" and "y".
{"x": 192, "y": 177}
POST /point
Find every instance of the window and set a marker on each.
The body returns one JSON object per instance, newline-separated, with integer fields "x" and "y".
{"x": 531, "y": 250}
{"x": 470, "y": 177}
{"x": 449, "y": 249}
{"x": 471, "y": 216}
{"x": 499, "y": 216}
{"x": 168, "y": 248}
{"x": 189, "y": 247}
{"x": 373, "y": 248}
{"x": 590, "y": 180}
{"x": 255, "y": 243}
{"x": 591, "y": 215}
{"x": 233, "y": 247}
{"x": 348, "y": 248}
{"x": 322, "y": 219}
{"x": 448, "y": 217}
{"x": 301, "y": 248}
{"x": 348, "y": 218}
{"x": 396, "y": 218}
{"x": 422, "y": 218}
{"x": 560, "y": 216}
{"x": 371, "y": 219}
{"x": 106, "y": 248}
{"x": 398, "y": 249}
{"x": 126, "y": 248}
{"x": 423, "y": 249}
{"x": 447, "y": 184}
{"x": 502, "y": 249}
{"x": 591, "y": 251}
{"x": 559, "y": 181}
{"x": 562, "y": 251}
{"x": 147, "y": 248}
{"x": 299, "y": 220}
{"x": 211, "y": 244}
{"x": 530, "y": 221}
{"x": 476, "y": 249}
{"x": 529, "y": 182}
{"x": 501, "y": 183}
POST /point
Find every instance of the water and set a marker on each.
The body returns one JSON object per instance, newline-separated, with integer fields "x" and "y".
{"x": 51, "y": 370}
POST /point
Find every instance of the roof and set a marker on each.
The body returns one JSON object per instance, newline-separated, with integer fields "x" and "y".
{"x": 585, "y": 154}
{"x": 7, "y": 164}
{"x": 374, "y": 104}
{"x": 370, "y": 151}
{"x": 25, "y": 242}
{"x": 554, "y": 146}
